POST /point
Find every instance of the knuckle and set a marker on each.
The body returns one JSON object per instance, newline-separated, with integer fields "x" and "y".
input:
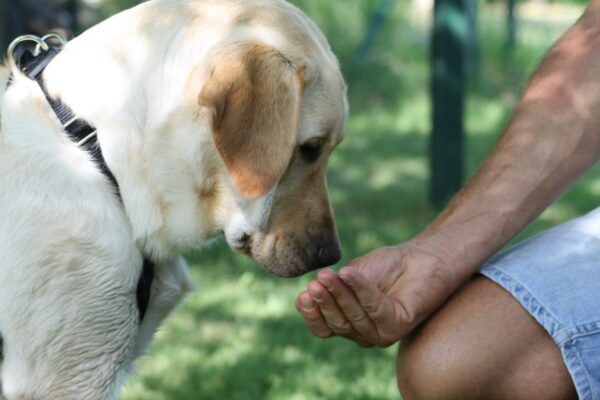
{"x": 356, "y": 318}
{"x": 370, "y": 306}
{"x": 312, "y": 318}
{"x": 301, "y": 309}
{"x": 340, "y": 326}
{"x": 409, "y": 319}
{"x": 331, "y": 288}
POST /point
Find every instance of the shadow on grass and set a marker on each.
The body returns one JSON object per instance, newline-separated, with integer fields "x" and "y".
{"x": 279, "y": 361}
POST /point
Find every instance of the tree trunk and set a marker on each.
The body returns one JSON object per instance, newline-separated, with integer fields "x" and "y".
{"x": 449, "y": 42}
{"x": 472, "y": 65}
{"x": 511, "y": 22}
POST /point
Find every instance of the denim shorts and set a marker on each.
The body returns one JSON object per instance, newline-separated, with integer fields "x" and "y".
{"x": 556, "y": 278}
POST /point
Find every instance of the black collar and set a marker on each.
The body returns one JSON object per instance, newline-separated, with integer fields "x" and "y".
{"x": 84, "y": 134}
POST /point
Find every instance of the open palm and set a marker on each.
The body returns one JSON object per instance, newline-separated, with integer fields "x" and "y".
{"x": 380, "y": 297}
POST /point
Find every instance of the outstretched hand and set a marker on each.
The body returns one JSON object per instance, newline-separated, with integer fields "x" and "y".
{"x": 380, "y": 297}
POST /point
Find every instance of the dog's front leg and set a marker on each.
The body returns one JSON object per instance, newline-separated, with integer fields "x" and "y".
{"x": 69, "y": 323}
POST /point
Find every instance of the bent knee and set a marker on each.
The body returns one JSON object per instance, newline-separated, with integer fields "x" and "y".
{"x": 426, "y": 373}
{"x": 482, "y": 345}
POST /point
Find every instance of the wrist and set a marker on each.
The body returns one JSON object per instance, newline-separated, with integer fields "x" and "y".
{"x": 465, "y": 243}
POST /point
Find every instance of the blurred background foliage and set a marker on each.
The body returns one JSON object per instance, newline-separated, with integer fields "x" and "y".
{"x": 238, "y": 336}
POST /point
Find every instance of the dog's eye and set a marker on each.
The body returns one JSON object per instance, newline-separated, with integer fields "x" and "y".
{"x": 311, "y": 150}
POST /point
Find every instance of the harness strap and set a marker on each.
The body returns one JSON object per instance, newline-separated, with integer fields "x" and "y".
{"x": 79, "y": 130}
{"x": 84, "y": 134}
{"x": 144, "y": 288}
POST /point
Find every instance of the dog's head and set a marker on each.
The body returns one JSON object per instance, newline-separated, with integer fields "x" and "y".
{"x": 277, "y": 109}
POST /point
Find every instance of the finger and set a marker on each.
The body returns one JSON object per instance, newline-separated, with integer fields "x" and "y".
{"x": 312, "y": 316}
{"x": 335, "y": 318}
{"x": 383, "y": 311}
{"x": 349, "y": 305}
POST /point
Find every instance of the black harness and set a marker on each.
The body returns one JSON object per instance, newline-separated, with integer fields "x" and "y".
{"x": 81, "y": 132}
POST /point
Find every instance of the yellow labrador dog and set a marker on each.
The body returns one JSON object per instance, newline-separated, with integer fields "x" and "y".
{"x": 213, "y": 116}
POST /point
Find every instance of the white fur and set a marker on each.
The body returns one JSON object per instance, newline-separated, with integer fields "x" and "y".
{"x": 71, "y": 251}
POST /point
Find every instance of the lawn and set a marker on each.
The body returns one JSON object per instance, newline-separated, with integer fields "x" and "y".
{"x": 239, "y": 336}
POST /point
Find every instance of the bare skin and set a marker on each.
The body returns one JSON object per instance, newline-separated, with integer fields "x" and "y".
{"x": 482, "y": 345}
{"x": 380, "y": 298}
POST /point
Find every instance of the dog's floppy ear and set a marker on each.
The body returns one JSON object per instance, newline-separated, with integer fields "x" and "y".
{"x": 254, "y": 93}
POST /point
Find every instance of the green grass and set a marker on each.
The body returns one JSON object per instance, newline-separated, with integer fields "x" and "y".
{"x": 239, "y": 336}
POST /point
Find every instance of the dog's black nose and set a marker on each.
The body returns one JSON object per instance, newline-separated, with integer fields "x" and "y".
{"x": 324, "y": 252}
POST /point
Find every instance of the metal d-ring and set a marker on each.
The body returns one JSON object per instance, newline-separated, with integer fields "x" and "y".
{"x": 54, "y": 35}
{"x": 46, "y": 38}
{"x": 10, "y": 53}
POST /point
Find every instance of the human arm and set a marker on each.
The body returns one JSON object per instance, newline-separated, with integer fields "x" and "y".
{"x": 552, "y": 139}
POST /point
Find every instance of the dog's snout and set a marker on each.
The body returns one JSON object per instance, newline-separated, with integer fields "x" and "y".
{"x": 324, "y": 252}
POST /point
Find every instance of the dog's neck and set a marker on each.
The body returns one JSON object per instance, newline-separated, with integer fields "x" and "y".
{"x": 158, "y": 148}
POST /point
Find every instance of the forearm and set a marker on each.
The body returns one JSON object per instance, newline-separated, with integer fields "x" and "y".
{"x": 553, "y": 138}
